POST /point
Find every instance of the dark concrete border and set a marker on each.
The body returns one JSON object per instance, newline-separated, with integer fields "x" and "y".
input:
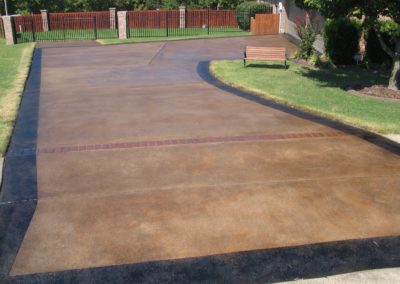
{"x": 18, "y": 195}
{"x": 19, "y": 179}
{"x": 258, "y": 266}
{"x": 204, "y": 72}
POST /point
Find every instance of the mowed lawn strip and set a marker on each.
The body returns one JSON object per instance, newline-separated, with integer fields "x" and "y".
{"x": 14, "y": 68}
{"x": 316, "y": 90}
{"x": 108, "y": 36}
{"x": 150, "y": 37}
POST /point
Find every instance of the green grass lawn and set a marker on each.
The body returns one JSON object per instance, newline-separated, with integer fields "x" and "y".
{"x": 14, "y": 67}
{"x": 315, "y": 90}
{"x": 108, "y": 36}
{"x": 89, "y": 34}
{"x": 162, "y": 32}
{"x": 172, "y": 37}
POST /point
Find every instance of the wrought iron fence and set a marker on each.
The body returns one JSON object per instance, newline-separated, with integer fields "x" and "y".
{"x": 65, "y": 26}
{"x": 167, "y": 23}
{"x": 155, "y": 23}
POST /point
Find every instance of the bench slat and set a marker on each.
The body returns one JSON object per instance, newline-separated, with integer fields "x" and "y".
{"x": 260, "y": 54}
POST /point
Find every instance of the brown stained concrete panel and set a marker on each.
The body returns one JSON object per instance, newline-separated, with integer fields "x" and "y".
{"x": 200, "y": 166}
{"x": 149, "y": 63}
{"x": 114, "y": 77}
{"x": 185, "y": 222}
{"x": 171, "y": 51}
{"x": 165, "y": 112}
{"x": 219, "y": 48}
{"x": 101, "y": 56}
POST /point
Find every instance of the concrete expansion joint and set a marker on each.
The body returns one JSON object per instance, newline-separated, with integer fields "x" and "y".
{"x": 231, "y": 186}
{"x": 157, "y": 53}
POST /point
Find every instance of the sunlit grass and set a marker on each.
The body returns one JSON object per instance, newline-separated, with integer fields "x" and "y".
{"x": 160, "y": 37}
{"x": 14, "y": 67}
{"x": 315, "y": 90}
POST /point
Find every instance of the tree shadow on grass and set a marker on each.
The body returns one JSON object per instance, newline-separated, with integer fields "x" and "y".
{"x": 351, "y": 77}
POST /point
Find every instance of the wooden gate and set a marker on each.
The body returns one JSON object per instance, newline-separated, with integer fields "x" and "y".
{"x": 265, "y": 24}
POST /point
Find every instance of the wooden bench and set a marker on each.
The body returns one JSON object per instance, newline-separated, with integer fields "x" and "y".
{"x": 265, "y": 54}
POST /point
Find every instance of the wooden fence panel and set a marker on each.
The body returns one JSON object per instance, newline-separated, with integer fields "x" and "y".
{"x": 28, "y": 23}
{"x": 153, "y": 19}
{"x": 265, "y": 24}
{"x": 79, "y": 21}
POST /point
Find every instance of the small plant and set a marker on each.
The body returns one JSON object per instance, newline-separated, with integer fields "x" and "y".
{"x": 315, "y": 60}
{"x": 307, "y": 31}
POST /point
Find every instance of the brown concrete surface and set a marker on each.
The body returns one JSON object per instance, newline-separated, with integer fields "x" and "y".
{"x": 109, "y": 207}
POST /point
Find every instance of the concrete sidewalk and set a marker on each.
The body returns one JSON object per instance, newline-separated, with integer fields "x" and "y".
{"x": 388, "y": 275}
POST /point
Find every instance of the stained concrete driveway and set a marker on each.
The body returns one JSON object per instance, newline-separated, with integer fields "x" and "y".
{"x": 139, "y": 159}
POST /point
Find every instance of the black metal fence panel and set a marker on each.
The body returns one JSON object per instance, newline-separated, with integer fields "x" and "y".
{"x": 167, "y": 23}
{"x": 66, "y": 26}
{"x": 140, "y": 24}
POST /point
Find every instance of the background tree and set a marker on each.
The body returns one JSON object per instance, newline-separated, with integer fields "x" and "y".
{"x": 384, "y": 17}
{"x": 374, "y": 11}
{"x": 34, "y": 6}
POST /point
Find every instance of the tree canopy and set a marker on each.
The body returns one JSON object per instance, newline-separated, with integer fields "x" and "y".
{"x": 370, "y": 8}
{"x": 34, "y": 6}
{"x": 374, "y": 11}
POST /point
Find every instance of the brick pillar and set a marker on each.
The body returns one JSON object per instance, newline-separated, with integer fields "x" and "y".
{"x": 112, "y": 18}
{"x": 182, "y": 17}
{"x": 45, "y": 20}
{"x": 9, "y": 30}
{"x": 282, "y": 18}
{"x": 122, "y": 24}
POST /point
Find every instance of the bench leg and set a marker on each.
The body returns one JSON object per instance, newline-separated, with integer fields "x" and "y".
{"x": 244, "y": 62}
{"x": 285, "y": 65}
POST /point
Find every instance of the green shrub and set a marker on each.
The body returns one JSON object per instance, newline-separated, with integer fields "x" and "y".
{"x": 314, "y": 59}
{"x": 246, "y": 10}
{"x": 342, "y": 38}
{"x": 374, "y": 52}
{"x": 307, "y": 31}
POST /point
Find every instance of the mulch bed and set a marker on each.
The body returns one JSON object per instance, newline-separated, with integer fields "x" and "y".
{"x": 377, "y": 91}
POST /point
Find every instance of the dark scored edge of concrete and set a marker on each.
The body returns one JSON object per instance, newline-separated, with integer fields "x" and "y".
{"x": 18, "y": 195}
{"x": 258, "y": 266}
{"x": 203, "y": 69}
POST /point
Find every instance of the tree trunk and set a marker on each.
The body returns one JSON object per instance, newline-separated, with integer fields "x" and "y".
{"x": 394, "y": 82}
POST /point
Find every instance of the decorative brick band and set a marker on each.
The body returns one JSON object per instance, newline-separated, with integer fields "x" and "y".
{"x": 189, "y": 141}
